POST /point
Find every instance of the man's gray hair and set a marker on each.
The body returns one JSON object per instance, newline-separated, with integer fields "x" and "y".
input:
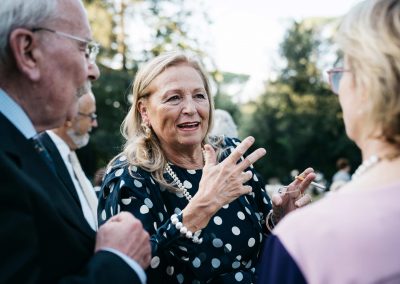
{"x": 21, "y": 13}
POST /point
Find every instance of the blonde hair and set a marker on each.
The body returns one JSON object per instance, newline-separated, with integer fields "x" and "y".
{"x": 369, "y": 36}
{"x": 139, "y": 150}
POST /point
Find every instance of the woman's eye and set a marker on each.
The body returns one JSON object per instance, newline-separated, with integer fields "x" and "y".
{"x": 200, "y": 96}
{"x": 173, "y": 98}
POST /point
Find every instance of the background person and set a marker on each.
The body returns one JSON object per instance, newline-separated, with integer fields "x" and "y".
{"x": 206, "y": 215}
{"x": 61, "y": 144}
{"x": 352, "y": 236}
{"x": 343, "y": 173}
{"x": 223, "y": 124}
{"x": 46, "y": 57}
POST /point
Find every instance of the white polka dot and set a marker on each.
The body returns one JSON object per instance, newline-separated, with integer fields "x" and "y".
{"x": 255, "y": 177}
{"x": 137, "y": 183}
{"x": 180, "y": 278}
{"x": 240, "y": 215}
{"x": 228, "y": 247}
{"x": 111, "y": 211}
{"x": 239, "y": 276}
{"x": 187, "y": 184}
{"x": 108, "y": 170}
{"x": 126, "y": 201}
{"x": 170, "y": 270}
{"x": 236, "y": 142}
{"x": 118, "y": 208}
{"x": 155, "y": 262}
{"x": 192, "y": 172}
{"x": 155, "y": 226}
{"x": 133, "y": 168}
{"x": 148, "y": 203}
{"x": 225, "y": 206}
{"x": 122, "y": 158}
{"x": 161, "y": 216}
{"x": 152, "y": 181}
{"x": 251, "y": 242}
{"x": 121, "y": 184}
{"x": 265, "y": 200}
{"x": 239, "y": 257}
{"x": 103, "y": 215}
{"x": 144, "y": 209}
{"x": 235, "y": 230}
{"x": 119, "y": 172}
{"x": 177, "y": 211}
{"x": 182, "y": 248}
{"x": 217, "y": 243}
{"x": 248, "y": 210}
{"x": 248, "y": 265}
{"x": 179, "y": 194}
{"x": 235, "y": 264}
{"x": 196, "y": 262}
{"x": 215, "y": 262}
{"x": 112, "y": 187}
{"x": 217, "y": 220}
{"x": 257, "y": 216}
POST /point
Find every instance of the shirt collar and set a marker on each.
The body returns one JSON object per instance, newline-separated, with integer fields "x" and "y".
{"x": 16, "y": 115}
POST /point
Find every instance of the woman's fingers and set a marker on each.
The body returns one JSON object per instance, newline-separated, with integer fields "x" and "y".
{"x": 304, "y": 200}
{"x": 246, "y": 176}
{"x": 210, "y": 158}
{"x": 239, "y": 151}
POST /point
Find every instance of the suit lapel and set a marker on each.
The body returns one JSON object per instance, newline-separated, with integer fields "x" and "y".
{"x": 15, "y": 145}
{"x": 61, "y": 169}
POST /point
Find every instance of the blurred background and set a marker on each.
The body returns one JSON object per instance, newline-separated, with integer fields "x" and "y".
{"x": 267, "y": 62}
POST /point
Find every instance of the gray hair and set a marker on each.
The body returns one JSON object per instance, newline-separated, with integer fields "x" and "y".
{"x": 21, "y": 13}
{"x": 224, "y": 124}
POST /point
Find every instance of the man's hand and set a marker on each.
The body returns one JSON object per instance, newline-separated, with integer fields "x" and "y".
{"x": 125, "y": 233}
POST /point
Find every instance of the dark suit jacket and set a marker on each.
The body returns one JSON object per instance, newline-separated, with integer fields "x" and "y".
{"x": 44, "y": 237}
{"x": 61, "y": 169}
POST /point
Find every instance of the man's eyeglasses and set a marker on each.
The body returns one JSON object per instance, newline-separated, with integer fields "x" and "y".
{"x": 92, "y": 47}
{"x": 92, "y": 115}
{"x": 335, "y": 75}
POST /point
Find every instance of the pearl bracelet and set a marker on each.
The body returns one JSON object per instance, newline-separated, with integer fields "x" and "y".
{"x": 184, "y": 231}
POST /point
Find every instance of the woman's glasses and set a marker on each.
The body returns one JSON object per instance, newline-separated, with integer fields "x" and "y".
{"x": 335, "y": 75}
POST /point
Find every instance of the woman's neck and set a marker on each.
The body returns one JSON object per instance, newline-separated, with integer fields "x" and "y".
{"x": 378, "y": 147}
{"x": 191, "y": 159}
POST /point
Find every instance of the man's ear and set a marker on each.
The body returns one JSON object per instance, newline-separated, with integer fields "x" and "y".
{"x": 24, "y": 47}
{"x": 142, "y": 108}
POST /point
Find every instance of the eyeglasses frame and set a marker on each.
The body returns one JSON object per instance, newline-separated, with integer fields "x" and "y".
{"x": 330, "y": 75}
{"x": 92, "y": 47}
{"x": 92, "y": 115}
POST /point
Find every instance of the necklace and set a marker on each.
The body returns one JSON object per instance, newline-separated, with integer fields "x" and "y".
{"x": 372, "y": 161}
{"x": 178, "y": 182}
{"x": 182, "y": 188}
{"x": 365, "y": 166}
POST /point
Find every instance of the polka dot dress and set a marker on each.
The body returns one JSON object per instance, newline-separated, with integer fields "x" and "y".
{"x": 231, "y": 241}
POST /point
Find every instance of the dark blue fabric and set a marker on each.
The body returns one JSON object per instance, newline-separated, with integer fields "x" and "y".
{"x": 277, "y": 266}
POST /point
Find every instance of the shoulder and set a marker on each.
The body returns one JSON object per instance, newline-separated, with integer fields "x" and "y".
{"x": 119, "y": 171}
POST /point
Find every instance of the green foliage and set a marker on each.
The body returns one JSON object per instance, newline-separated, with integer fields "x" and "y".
{"x": 298, "y": 120}
{"x": 112, "y": 99}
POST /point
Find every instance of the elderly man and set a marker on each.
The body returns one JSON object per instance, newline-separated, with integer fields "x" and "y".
{"x": 46, "y": 56}
{"x": 61, "y": 144}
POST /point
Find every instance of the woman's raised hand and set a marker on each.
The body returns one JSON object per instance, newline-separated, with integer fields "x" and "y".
{"x": 221, "y": 183}
{"x": 292, "y": 196}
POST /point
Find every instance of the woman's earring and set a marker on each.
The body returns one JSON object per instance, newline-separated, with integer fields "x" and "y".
{"x": 147, "y": 131}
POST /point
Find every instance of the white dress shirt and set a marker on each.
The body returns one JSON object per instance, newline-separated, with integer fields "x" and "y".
{"x": 64, "y": 150}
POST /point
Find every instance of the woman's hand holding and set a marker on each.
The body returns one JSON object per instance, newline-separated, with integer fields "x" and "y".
{"x": 220, "y": 184}
{"x": 292, "y": 196}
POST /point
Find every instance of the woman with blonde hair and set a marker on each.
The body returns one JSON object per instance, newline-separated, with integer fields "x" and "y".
{"x": 199, "y": 198}
{"x": 353, "y": 235}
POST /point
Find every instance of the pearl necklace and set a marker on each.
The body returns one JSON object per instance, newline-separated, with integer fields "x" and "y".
{"x": 372, "y": 161}
{"x": 178, "y": 182}
{"x": 365, "y": 166}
